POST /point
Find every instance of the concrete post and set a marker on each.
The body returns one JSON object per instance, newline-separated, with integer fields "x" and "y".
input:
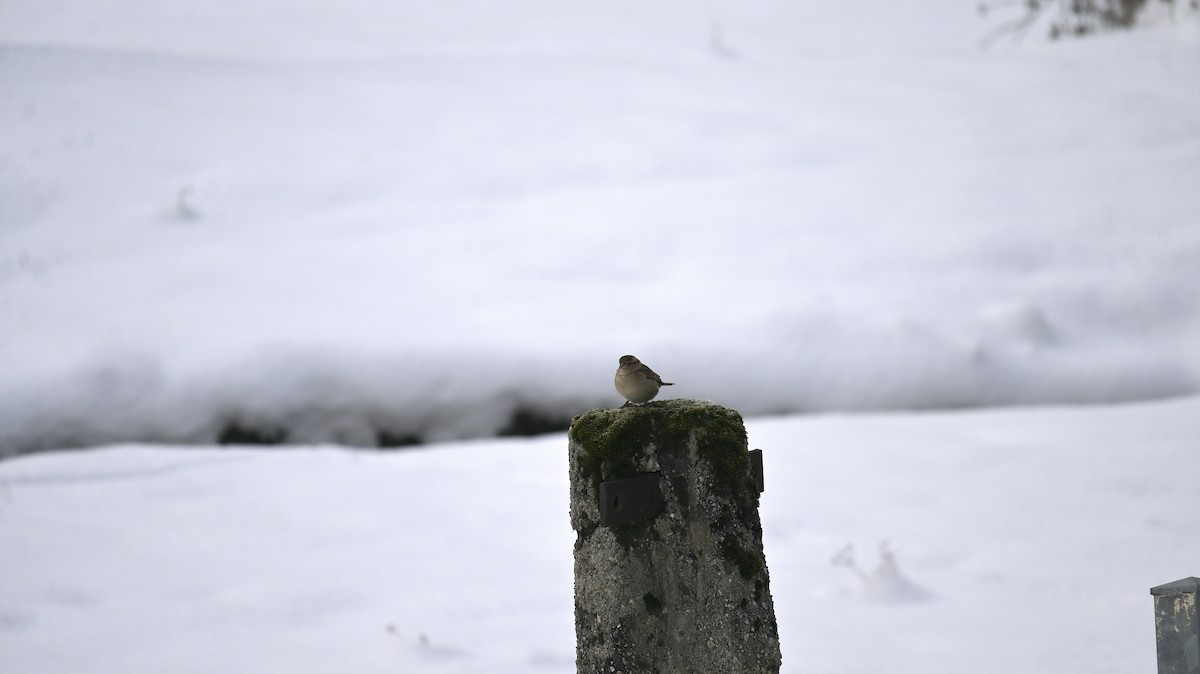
{"x": 670, "y": 575}
{"x": 1176, "y": 627}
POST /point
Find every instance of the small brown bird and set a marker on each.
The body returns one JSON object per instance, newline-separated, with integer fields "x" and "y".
{"x": 636, "y": 382}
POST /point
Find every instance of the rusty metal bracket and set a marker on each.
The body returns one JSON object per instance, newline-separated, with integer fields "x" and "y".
{"x": 630, "y": 499}
{"x": 756, "y": 468}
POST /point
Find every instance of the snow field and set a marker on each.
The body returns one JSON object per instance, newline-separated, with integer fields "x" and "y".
{"x": 1024, "y": 540}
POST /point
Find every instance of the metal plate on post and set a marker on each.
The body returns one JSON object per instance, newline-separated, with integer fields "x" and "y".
{"x": 630, "y": 499}
{"x": 1177, "y": 627}
{"x": 756, "y": 468}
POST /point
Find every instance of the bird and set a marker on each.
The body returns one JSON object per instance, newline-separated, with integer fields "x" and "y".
{"x": 636, "y": 382}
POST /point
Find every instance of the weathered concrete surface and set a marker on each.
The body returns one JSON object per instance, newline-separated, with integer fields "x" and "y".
{"x": 687, "y": 591}
{"x": 1176, "y": 626}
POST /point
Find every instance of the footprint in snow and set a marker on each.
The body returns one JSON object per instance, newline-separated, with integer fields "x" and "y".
{"x": 422, "y": 647}
{"x": 885, "y": 584}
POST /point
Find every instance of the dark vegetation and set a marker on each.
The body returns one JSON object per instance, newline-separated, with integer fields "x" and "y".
{"x": 1073, "y": 17}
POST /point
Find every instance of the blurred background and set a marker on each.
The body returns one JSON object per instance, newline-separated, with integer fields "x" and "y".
{"x": 379, "y": 223}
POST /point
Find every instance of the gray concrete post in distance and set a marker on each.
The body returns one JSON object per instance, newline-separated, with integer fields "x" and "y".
{"x": 1176, "y": 627}
{"x": 669, "y": 570}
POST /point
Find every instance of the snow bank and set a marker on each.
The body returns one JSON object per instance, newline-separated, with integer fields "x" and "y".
{"x": 373, "y": 223}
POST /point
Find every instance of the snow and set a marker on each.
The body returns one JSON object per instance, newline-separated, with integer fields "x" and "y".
{"x": 343, "y": 221}
{"x": 1022, "y": 540}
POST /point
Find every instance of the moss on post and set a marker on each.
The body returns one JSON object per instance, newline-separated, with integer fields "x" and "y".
{"x": 687, "y": 590}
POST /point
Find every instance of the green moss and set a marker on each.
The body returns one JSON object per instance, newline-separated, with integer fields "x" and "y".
{"x": 721, "y": 439}
{"x": 748, "y": 562}
{"x": 619, "y": 443}
{"x": 629, "y": 535}
{"x": 616, "y": 440}
{"x": 614, "y": 443}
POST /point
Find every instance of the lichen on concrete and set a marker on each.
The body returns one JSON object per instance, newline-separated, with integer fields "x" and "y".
{"x": 688, "y": 590}
{"x": 616, "y": 439}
